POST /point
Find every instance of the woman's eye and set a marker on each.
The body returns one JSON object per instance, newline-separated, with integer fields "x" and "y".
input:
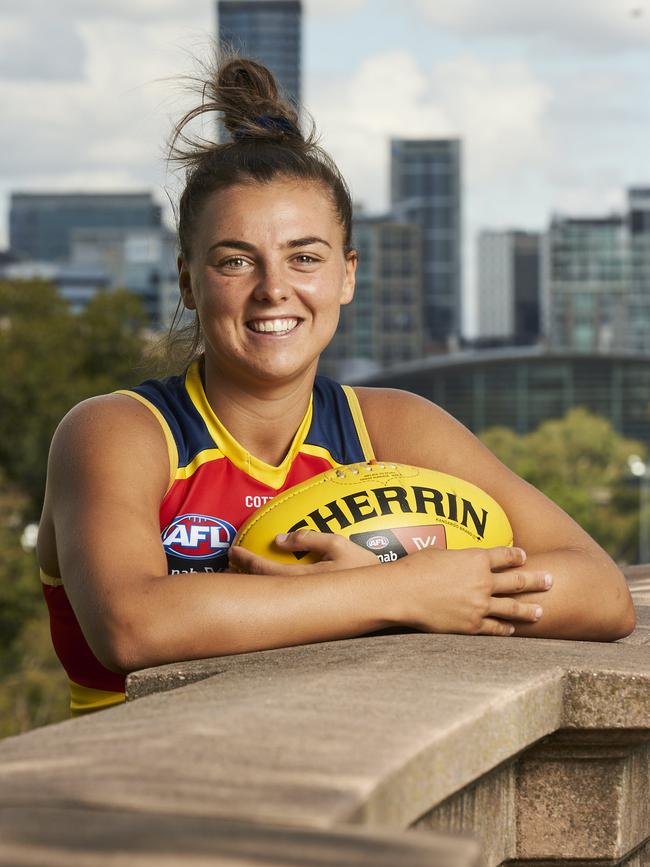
{"x": 234, "y": 262}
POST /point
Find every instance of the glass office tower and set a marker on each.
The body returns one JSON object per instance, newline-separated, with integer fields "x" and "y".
{"x": 426, "y": 190}
{"x": 383, "y": 326}
{"x": 586, "y": 280}
{"x": 268, "y": 31}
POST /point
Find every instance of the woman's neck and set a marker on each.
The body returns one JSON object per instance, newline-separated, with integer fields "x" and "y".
{"x": 262, "y": 417}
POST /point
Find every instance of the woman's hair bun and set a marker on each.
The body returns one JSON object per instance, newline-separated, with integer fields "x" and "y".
{"x": 247, "y": 95}
{"x": 267, "y": 143}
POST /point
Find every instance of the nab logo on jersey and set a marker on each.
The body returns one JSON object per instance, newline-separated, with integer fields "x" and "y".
{"x": 198, "y": 537}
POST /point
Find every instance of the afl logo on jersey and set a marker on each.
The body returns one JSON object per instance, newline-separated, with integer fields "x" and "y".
{"x": 198, "y": 537}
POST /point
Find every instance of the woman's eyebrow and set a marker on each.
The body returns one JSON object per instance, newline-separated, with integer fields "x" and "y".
{"x": 305, "y": 242}
{"x": 234, "y": 244}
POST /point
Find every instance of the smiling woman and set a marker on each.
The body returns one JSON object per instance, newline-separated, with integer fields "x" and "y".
{"x": 267, "y": 294}
{"x": 147, "y": 488}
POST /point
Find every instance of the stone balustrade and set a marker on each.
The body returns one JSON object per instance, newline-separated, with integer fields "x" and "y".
{"x": 404, "y": 749}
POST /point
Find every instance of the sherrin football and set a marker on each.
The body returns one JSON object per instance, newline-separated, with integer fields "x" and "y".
{"x": 389, "y": 509}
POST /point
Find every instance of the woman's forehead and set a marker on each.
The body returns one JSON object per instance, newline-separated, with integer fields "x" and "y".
{"x": 272, "y": 209}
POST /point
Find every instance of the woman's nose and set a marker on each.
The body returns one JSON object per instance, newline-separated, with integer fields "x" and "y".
{"x": 271, "y": 286}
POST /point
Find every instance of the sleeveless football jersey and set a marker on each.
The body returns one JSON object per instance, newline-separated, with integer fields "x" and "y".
{"x": 214, "y": 486}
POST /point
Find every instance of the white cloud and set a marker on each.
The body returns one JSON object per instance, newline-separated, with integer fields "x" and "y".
{"x": 497, "y": 108}
{"x": 602, "y": 25}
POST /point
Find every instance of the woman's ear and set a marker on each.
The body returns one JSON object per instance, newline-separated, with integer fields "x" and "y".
{"x": 185, "y": 284}
{"x": 347, "y": 291}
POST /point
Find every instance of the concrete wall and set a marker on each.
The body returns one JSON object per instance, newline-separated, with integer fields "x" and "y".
{"x": 378, "y": 750}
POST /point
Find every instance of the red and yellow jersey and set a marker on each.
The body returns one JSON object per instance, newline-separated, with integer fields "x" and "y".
{"x": 214, "y": 486}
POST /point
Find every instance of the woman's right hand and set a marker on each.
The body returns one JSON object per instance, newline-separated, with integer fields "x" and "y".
{"x": 472, "y": 591}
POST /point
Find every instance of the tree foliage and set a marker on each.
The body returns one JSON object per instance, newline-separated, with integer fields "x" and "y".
{"x": 51, "y": 359}
{"x": 580, "y": 462}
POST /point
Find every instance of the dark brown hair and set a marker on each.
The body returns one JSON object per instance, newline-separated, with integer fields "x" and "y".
{"x": 266, "y": 142}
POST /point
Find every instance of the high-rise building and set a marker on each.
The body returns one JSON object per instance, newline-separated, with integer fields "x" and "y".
{"x": 140, "y": 260}
{"x": 41, "y": 224}
{"x": 426, "y": 190}
{"x": 508, "y": 272}
{"x": 383, "y": 325}
{"x": 268, "y": 31}
{"x": 639, "y": 239}
{"x": 585, "y": 283}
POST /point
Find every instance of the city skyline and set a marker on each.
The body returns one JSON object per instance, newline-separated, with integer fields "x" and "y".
{"x": 551, "y": 104}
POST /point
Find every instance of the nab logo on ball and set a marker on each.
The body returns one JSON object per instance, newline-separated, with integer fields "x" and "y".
{"x": 198, "y": 537}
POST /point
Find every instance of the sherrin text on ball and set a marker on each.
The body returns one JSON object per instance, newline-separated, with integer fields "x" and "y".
{"x": 390, "y": 509}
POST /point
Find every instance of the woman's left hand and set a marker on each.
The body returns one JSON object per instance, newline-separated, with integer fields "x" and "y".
{"x": 336, "y": 552}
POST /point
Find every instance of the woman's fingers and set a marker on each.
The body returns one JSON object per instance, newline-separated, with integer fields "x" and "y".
{"x": 328, "y": 546}
{"x": 510, "y": 609}
{"x": 490, "y": 626}
{"x": 241, "y": 560}
{"x": 325, "y": 544}
{"x": 521, "y": 581}
{"x": 504, "y": 557}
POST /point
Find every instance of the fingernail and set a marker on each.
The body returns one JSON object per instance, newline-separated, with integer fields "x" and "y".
{"x": 538, "y": 612}
{"x": 511, "y": 630}
{"x": 548, "y": 580}
{"x": 281, "y": 537}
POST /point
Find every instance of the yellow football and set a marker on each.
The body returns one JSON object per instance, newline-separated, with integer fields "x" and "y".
{"x": 389, "y": 509}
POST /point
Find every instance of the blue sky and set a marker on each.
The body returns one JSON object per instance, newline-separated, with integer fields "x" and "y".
{"x": 552, "y": 99}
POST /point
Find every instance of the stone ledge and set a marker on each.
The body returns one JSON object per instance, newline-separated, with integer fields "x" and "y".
{"x": 72, "y": 837}
{"x": 392, "y": 731}
{"x": 372, "y": 731}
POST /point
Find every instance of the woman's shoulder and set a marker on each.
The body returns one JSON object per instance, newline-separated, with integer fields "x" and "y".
{"x": 407, "y": 427}
{"x": 384, "y": 407}
{"x": 135, "y": 411}
{"x": 374, "y": 399}
{"x": 106, "y": 416}
{"x": 110, "y": 433}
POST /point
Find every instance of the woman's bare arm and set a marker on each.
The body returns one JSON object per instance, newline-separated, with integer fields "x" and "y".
{"x": 589, "y": 598}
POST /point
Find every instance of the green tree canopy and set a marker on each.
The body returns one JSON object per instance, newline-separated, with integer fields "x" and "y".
{"x": 580, "y": 462}
{"x": 52, "y": 359}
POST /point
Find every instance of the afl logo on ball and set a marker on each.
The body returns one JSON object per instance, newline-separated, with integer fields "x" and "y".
{"x": 198, "y": 537}
{"x": 377, "y": 543}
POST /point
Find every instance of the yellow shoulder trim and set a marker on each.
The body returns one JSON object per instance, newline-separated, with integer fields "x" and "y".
{"x": 203, "y": 457}
{"x": 359, "y": 423}
{"x": 50, "y": 580}
{"x": 85, "y": 699}
{"x": 172, "y": 451}
{"x": 228, "y": 446}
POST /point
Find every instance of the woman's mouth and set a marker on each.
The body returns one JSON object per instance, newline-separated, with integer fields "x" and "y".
{"x": 273, "y": 326}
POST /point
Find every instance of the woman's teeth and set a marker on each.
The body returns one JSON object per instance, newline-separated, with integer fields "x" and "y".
{"x": 277, "y": 326}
